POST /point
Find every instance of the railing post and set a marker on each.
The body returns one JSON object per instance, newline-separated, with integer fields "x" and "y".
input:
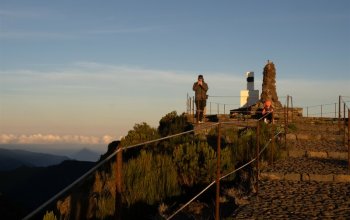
{"x": 307, "y": 111}
{"x": 272, "y": 138}
{"x": 291, "y": 102}
{"x": 339, "y": 113}
{"x": 349, "y": 140}
{"x": 118, "y": 176}
{"x": 218, "y": 175}
{"x": 257, "y": 155}
{"x": 285, "y": 129}
{"x": 210, "y": 107}
{"x": 224, "y": 108}
{"x": 287, "y": 107}
{"x": 321, "y": 111}
{"x": 218, "y": 108}
{"x": 344, "y": 125}
{"x": 335, "y": 110}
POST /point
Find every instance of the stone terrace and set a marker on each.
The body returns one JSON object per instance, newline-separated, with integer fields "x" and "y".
{"x": 312, "y": 182}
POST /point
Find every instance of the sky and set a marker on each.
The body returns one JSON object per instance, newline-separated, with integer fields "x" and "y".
{"x": 85, "y": 72}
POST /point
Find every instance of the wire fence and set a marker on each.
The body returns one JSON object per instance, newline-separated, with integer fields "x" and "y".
{"x": 331, "y": 108}
{"x": 222, "y": 177}
{"x": 218, "y": 104}
{"x": 50, "y": 203}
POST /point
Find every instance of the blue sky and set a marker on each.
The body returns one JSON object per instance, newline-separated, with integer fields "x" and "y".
{"x": 87, "y": 71}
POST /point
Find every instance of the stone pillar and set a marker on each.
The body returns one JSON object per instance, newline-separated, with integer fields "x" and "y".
{"x": 269, "y": 85}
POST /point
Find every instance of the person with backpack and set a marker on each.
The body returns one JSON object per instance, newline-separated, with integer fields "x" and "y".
{"x": 200, "y": 88}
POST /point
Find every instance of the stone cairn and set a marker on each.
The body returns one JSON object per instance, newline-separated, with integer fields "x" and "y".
{"x": 269, "y": 85}
{"x": 268, "y": 93}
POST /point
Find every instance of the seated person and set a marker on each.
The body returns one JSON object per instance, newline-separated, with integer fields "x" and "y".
{"x": 266, "y": 110}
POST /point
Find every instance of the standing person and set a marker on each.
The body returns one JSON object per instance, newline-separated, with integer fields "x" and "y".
{"x": 200, "y": 88}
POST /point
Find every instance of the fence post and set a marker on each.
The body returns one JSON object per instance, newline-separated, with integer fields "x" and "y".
{"x": 217, "y": 201}
{"x": 272, "y": 138}
{"x": 335, "y": 110}
{"x": 321, "y": 111}
{"x": 118, "y": 176}
{"x": 349, "y": 140}
{"x": 307, "y": 111}
{"x": 344, "y": 125}
{"x": 285, "y": 129}
{"x": 218, "y": 107}
{"x": 257, "y": 155}
{"x": 339, "y": 113}
{"x": 291, "y": 102}
{"x": 287, "y": 107}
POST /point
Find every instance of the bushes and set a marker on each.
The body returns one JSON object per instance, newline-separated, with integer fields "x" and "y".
{"x": 149, "y": 178}
{"x": 164, "y": 169}
{"x": 195, "y": 163}
{"x": 172, "y": 123}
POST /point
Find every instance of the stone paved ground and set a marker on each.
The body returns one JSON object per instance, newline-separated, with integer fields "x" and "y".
{"x": 300, "y": 199}
{"x": 309, "y": 166}
{"x": 318, "y": 145}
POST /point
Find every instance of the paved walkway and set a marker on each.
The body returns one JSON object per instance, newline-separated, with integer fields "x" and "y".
{"x": 313, "y": 184}
{"x": 298, "y": 200}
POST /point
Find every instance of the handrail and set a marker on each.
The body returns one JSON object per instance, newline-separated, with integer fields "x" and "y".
{"x": 190, "y": 103}
{"x": 222, "y": 177}
{"x": 30, "y": 215}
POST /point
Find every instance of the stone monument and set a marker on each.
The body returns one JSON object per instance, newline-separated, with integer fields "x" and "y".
{"x": 269, "y": 85}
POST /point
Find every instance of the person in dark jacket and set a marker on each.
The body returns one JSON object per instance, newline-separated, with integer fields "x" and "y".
{"x": 200, "y": 88}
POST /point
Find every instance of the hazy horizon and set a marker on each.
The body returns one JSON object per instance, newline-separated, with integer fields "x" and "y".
{"x": 86, "y": 72}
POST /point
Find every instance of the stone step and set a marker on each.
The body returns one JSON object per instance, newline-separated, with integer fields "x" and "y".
{"x": 307, "y": 165}
{"x": 316, "y": 136}
{"x": 317, "y": 146}
{"x": 305, "y": 177}
{"x": 319, "y": 154}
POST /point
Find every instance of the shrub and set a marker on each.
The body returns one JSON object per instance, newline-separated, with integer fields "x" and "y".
{"x": 172, "y": 123}
{"x": 149, "y": 178}
{"x": 141, "y": 133}
{"x": 49, "y": 216}
{"x": 195, "y": 163}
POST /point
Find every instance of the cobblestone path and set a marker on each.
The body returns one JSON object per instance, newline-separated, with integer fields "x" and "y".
{"x": 298, "y": 200}
{"x": 304, "y": 198}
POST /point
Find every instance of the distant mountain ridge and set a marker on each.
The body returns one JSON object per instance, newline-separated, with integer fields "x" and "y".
{"x": 12, "y": 159}
{"x": 25, "y": 188}
{"x": 86, "y": 155}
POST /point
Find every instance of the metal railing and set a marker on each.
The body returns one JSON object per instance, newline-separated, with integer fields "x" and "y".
{"x": 344, "y": 123}
{"x": 119, "y": 163}
{"x": 117, "y": 154}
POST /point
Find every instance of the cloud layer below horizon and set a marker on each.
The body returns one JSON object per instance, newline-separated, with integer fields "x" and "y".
{"x": 54, "y": 139}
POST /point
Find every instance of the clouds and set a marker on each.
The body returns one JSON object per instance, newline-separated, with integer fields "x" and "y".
{"x": 92, "y": 98}
{"x": 95, "y": 77}
{"x": 54, "y": 139}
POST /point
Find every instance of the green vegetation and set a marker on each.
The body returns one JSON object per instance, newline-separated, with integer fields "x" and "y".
{"x": 49, "y": 216}
{"x": 149, "y": 178}
{"x": 157, "y": 172}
